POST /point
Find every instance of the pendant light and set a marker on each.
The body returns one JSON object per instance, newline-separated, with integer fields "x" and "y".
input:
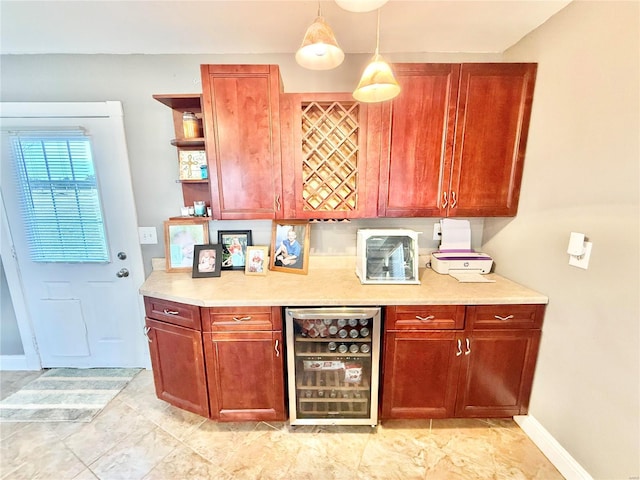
{"x": 319, "y": 49}
{"x": 378, "y": 83}
{"x": 360, "y": 5}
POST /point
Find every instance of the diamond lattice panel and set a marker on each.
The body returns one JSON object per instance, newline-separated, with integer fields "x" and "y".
{"x": 330, "y": 156}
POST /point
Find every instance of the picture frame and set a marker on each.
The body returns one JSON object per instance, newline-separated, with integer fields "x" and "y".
{"x": 234, "y": 248}
{"x": 207, "y": 261}
{"x": 180, "y": 238}
{"x": 288, "y": 256}
{"x": 190, "y": 163}
{"x": 257, "y": 260}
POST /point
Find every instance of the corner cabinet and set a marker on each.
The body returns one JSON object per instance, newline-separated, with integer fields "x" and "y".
{"x": 453, "y": 142}
{"x": 177, "y": 354}
{"x": 456, "y": 361}
{"x": 197, "y": 189}
{"x": 241, "y": 112}
{"x": 245, "y": 367}
{"x": 330, "y": 160}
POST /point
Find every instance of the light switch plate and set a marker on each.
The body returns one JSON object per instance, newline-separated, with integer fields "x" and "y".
{"x": 583, "y": 260}
{"x": 148, "y": 235}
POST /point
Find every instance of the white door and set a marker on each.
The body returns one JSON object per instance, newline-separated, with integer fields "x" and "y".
{"x": 83, "y": 314}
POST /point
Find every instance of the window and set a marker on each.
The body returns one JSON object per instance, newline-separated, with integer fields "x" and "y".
{"x": 60, "y": 201}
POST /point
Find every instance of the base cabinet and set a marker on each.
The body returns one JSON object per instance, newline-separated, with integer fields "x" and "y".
{"x": 482, "y": 367}
{"x": 178, "y": 366}
{"x": 245, "y": 367}
{"x": 245, "y": 375}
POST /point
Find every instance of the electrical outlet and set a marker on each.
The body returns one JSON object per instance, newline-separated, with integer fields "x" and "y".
{"x": 148, "y": 235}
{"x": 437, "y": 231}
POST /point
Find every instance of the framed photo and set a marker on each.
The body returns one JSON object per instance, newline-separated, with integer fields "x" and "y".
{"x": 207, "y": 260}
{"x": 234, "y": 248}
{"x": 180, "y": 238}
{"x": 257, "y": 258}
{"x": 190, "y": 163}
{"x": 290, "y": 246}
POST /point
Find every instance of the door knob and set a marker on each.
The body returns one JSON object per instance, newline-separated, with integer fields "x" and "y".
{"x": 122, "y": 273}
{"x": 122, "y": 255}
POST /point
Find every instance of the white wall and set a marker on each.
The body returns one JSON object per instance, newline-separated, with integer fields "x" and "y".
{"x": 582, "y": 174}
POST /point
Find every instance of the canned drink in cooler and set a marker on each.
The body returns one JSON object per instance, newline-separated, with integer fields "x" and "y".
{"x": 354, "y": 348}
{"x": 364, "y": 348}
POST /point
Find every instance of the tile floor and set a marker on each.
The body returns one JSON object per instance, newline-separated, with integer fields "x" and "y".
{"x": 138, "y": 436}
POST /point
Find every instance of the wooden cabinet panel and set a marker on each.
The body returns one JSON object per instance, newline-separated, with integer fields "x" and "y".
{"x": 417, "y": 139}
{"x": 177, "y": 360}
{"x": 242, "y": 319}
{"x": 180, "y": 314}
{"x": 505, "y": 316}
{"x": 330, "y": 169}
{"x": 245, "y": 375}
{"x": 420, "y": 375}
{"x": 494, "y": 108}
{"x": 425, "y": 317}
{"x": 497, "y": 373}
{"x": 242, "y": 126}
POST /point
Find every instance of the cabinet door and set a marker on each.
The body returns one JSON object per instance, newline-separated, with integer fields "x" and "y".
{"x": 420, "y": 374}
{"x": 245, "y": 375}
{"x": 494, "y": 107}
{"x": 328, "y": 171}
{"x": 497, "y": 373}
{"x": 177, "y": 360}
{"x": 242, "y": 132}
{"x": 417, "y": 136}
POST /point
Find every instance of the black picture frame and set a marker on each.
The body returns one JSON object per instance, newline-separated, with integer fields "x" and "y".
{"x": 234, "y": 248}
{"x": 207, "y": 261}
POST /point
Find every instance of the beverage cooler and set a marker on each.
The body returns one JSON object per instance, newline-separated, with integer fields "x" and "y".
{"x": 333, "y": 357}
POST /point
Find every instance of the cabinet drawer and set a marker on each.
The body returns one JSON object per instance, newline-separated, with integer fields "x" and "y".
{"x": 425, "y": 317}
{"x": 242, "y": 319}
{"x": 180, "y": 314}
{"x": 505, "y": 316}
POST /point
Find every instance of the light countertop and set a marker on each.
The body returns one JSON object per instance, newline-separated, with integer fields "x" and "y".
{"x": 331, "y": 281}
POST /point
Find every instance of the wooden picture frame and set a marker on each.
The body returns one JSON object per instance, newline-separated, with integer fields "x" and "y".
{"x": 207, "y": 260}
{"x": 257, "y": 260}
{"x": 290, "y": 254}
{"x": 234, "y": 248}
{"x": 180, "y": 238}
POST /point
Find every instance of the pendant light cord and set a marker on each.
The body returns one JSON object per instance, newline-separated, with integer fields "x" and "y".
{"x": 378, "y": 34}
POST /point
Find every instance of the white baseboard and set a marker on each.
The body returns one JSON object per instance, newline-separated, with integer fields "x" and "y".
{"x": 17, "y": 362}
{"x": 561, "y": 459}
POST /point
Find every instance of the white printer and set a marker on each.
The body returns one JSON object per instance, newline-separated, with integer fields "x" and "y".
{"x": 455, "y": 254}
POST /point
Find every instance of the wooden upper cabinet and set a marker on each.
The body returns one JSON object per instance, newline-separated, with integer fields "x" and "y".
{"x": 242, "y": 132}
{"x": 417, "y": 136}
{"x": 330, "y": 149}
{"x": 494, "y": 108}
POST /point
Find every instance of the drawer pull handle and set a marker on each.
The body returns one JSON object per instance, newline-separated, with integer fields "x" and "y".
{"x": 146, "y": 332}
{"x": 444, "y": 200}
{"x": 454, "y": 200}
{"x": 425, "y": 319}
{"x": 276, "y": 348}
{"x": 242, "y": 319}
{"x": 468, "y": 351}
{"x": 170, "y": 312}
{"x": 503, "y": 319}
{"x": 459, "y": 352}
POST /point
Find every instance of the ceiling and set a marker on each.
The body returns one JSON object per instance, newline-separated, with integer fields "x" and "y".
{"x": 241, "y": 27}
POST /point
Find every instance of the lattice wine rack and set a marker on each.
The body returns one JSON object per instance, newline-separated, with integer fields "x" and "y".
{"x": 330, "y": 156}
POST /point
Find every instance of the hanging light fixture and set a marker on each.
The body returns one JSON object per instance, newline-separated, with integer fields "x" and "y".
{"x": 360, "y": 5}
{"x": 378, "y": 83}
{"x": 319, "y": 49}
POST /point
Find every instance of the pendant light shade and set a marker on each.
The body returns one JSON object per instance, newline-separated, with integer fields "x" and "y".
{"x": 377, "y": 84}
{"x": 360, "y": 5}
{"x": 319, "y": 49}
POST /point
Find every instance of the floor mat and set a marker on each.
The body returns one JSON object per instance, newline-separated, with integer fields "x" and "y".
{"x": 65, "y": 395}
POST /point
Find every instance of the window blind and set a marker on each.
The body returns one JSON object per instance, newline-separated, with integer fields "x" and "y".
{"x": 60, "y": 202}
